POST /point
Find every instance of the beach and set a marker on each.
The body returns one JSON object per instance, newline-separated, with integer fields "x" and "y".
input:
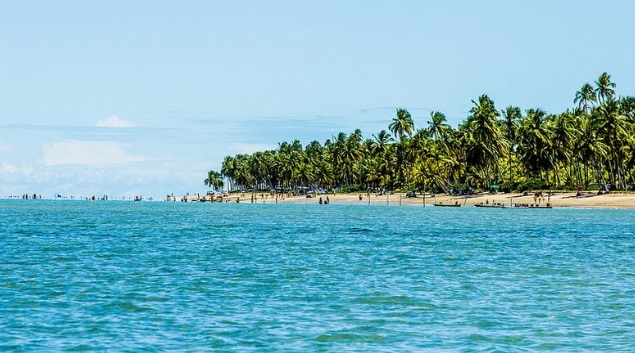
{"x": 557, "y": 199}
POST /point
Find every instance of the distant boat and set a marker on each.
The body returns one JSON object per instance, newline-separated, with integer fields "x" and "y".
{"x": 490, "y": 205}
{"x": 447, "y": 204}
{"x": 529, "y": 206}
{"x": 512, "y": 205}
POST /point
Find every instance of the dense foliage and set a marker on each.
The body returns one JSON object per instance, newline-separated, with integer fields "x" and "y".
{"x": 592, "y": 144}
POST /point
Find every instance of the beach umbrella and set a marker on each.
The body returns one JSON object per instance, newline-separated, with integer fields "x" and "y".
{"x": 494, "y": 186}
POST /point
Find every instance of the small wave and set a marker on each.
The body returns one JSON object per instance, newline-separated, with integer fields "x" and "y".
{"x": 360, "y": 230}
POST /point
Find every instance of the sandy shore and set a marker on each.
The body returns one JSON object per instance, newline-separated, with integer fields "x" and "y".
{"x": 557, "y": 199}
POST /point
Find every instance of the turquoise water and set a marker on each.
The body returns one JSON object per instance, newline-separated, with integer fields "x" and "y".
{"x": 115, "y": 276}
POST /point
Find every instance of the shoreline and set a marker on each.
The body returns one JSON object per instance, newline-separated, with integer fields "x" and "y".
{"x": 556, "y": 200}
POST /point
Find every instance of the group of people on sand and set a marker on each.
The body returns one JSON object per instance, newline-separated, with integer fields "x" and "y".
{"x": 538, "y": 198}
{"x": 324, "y": 202}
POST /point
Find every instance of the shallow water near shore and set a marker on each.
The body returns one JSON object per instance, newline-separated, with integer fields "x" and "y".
{"x": 155, "y": 276}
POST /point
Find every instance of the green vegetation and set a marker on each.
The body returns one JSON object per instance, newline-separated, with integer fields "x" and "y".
{"x": 592, "y": 143}
{"x": 214, "y": 180}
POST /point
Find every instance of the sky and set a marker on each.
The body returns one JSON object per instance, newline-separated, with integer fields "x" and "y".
{"x": 126, "y": 98}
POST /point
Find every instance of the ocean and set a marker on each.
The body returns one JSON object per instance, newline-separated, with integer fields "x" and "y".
{"x": 161, "y": 276}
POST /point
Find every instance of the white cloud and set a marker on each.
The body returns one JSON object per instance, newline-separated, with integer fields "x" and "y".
{"x": 7, "y": 168}
{"x": 115, "y": 121}
{"x": 87, "y": 153}
{"x": 248, "y": 148}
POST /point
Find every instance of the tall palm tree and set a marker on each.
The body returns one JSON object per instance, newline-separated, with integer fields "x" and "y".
{"x": 585, "y": 96}
{"x": 402, "y": 126}
{"x": 589, "y": 150}
{"x": 486, "y": 137}
{"x": 323, "y": 173}
{"x": 512, "y": 116}
{"x": 352, "y": 154}
{"x": 627, "y": 108}
{"x": 228, "y": 169}
{"x": 534, "y": 142}
{"x": 438, "y": 127}
{"x": 305, "y": 173}
{"x": 381, "y": 151}
{"x": 337, "y": 151}
{"x": 242, "y": 174}
{"x": 214, "y": 179}
{"x": 562, "y": 129}
{"x": 612, "y": 127}
{"x": 382, "y": 139}
{"x": 258, "y": 169}
{"x": 604, "y": 87}
{"x": 388, "y": 167}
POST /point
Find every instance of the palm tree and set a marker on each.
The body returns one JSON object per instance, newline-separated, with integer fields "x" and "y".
{"x": 353, "y": 154}
{"x": 401, "y": 126}
{"x": 388, "y": 167}
{"x": 228, "y": 169}
{"x": 382, "y": 140}
{"x": 512, "y": 116}
{"x": 486, "y": 141}
{"x": 585, "y": 96}
{"x": 534, "y": 142}
{"x": 304, "y": 174}
{"x": 314, "y": 150}
{"x": 627, "y": 108}
{"x": 589, "y": 150}
{"x": 604, "y": 87}
{"x": 242, "y": 174}
{"x": 337, "y": 152}
{"x": 214, "y": 179}
{"x": 612, "y": 127}
{"x": 562, "y": 129}
{"x": 324, "y": 174}
{"x": 438, "y": 127}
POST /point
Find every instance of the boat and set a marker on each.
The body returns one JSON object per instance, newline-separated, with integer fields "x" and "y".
{"x": 447, "y": 204}
{"x": 490, "y": 205}
{"x": 529, "y": 205}
{"x": 512, "y": 205}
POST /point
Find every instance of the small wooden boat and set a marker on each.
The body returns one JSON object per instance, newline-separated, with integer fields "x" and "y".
{"x": 490, "y": 205}
{"x": 447, "y": 205}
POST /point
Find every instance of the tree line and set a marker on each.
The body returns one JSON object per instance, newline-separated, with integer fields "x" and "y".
{"x": 589, "y": 145}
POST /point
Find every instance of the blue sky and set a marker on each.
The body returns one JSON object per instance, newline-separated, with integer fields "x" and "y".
{"x": 144, "y": 97}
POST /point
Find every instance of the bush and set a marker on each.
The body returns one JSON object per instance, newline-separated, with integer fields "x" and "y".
{"x": 509, "y": 186}
{"x": 532, "y": 184}
{"x": 352, "y": 188}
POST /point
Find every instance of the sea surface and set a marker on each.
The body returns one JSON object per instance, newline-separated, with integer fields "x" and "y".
{"x": 159, "y": 276}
